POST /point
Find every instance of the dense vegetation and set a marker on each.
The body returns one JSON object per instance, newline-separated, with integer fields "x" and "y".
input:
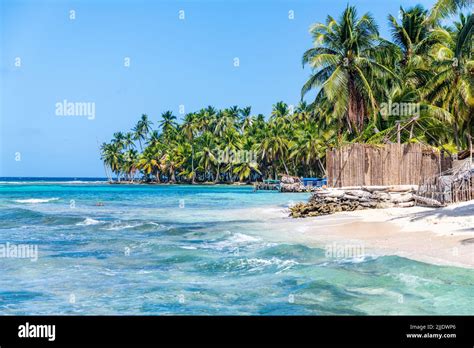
{"x": 417, "y": 86}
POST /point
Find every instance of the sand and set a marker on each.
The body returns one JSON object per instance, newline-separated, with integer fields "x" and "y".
{"x": 442, "y": 236}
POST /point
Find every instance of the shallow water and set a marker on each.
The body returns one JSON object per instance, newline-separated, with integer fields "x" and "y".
{"x": 195, "y": 250}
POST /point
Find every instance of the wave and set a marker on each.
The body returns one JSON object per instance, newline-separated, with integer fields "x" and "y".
{"x": 356, "y": 259}
{"x": 39, "y": 182}
{"x": 414, "y": 280}
{"x": 240, "y": 238}
{"x": 119, "y": 225}
{"x": 188, "y": 247}
{"x": 234, "y": 241}
{"x": 249, "y": 265}
{"x": 36, "y": 200}
{"x": 89, "y": 221}
{"x": 351, "y": 260}
{"x": 256, "y": 264}
{"x": 295, "y": 251}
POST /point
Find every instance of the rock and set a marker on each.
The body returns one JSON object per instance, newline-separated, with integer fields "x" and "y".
{"x": 329, "y": 201}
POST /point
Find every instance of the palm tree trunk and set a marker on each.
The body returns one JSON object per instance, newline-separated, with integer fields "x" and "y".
{"x": 350, "y": 107}
{"x": 157, "y": 177}
{"x": 231, "y": 175}
{"x": 193, "y": 180}
{"x": 107, "y": 174}
{"x": 217, "y": 174}
{"x": 456, "y": 133}
{"x": 323, "y": 170}
{"x": 286, "y": 168}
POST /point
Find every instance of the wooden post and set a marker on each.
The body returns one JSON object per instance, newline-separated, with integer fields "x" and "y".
{"x": 469, "y": 138}
{"x": 469, "y": 180}
{"x": 398, "y": 133}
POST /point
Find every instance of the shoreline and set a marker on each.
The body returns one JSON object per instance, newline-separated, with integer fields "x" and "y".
{"x": 104, "y": 182}
{"x": 440, "y": 236}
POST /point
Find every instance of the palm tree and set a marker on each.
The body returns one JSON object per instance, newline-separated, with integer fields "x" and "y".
{"x": 130, "y": 163}
{"x": 444, "y": 8}
{"x": 128, "y": 140}
{"x": 206, "y": 156}
{"x": 354, "y": 71}
{"x": 189, "y": 129}
{"x": 168, "y": 123}
{"x": 141, "y": 129}
{"x": 280, "y": 111}
{"x": 205, "y": 118}
{"x": 412, "y": 34}
{"x": 244, "y": 170}
{"x": 154, "y": 139}
{"x": 107, "y": 158}
{"x": 451, "y": 87}
{"x": 303, "y": 112}
{"x": 224, "y": 120}
{"x": 112, "y": 156}
{"x": 342, "y": 59}
{"x": 231, "y": 143}
{"x": 119, "y": 139}
{"x": 149, "y": 162}
{"x": 310, "y": 147}
{"x": 274, "y": 147}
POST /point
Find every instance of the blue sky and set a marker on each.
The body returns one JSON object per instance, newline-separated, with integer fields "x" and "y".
{"x": 173, "y": 62}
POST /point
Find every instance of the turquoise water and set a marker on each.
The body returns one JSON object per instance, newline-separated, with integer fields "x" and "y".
{"x": 195, "y": 250}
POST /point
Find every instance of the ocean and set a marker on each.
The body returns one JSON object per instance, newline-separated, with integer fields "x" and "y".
{"x": 192, "y": 250}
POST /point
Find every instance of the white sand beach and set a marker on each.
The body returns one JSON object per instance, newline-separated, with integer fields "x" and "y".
{"x": 443, "y": 236}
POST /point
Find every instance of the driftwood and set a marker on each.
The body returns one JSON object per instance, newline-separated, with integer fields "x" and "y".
{"x": 330, "y": 201}
{"x": 452, "y": 186}
{"x": 429, "y": 202}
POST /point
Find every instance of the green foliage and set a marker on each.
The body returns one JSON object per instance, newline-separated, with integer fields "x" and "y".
{"x": 417, "y": 86}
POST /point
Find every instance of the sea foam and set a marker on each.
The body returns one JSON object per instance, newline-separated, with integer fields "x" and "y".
{"x": 36, "y": 200}
{"x": 88, "y": 221}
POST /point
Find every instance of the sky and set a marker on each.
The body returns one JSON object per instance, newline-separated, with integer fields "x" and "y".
{"x": 121, "y": 59}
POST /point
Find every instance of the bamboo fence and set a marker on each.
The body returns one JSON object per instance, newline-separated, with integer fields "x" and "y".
{"x": 390, "y": 164}
{"x": 452, "y": 186}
